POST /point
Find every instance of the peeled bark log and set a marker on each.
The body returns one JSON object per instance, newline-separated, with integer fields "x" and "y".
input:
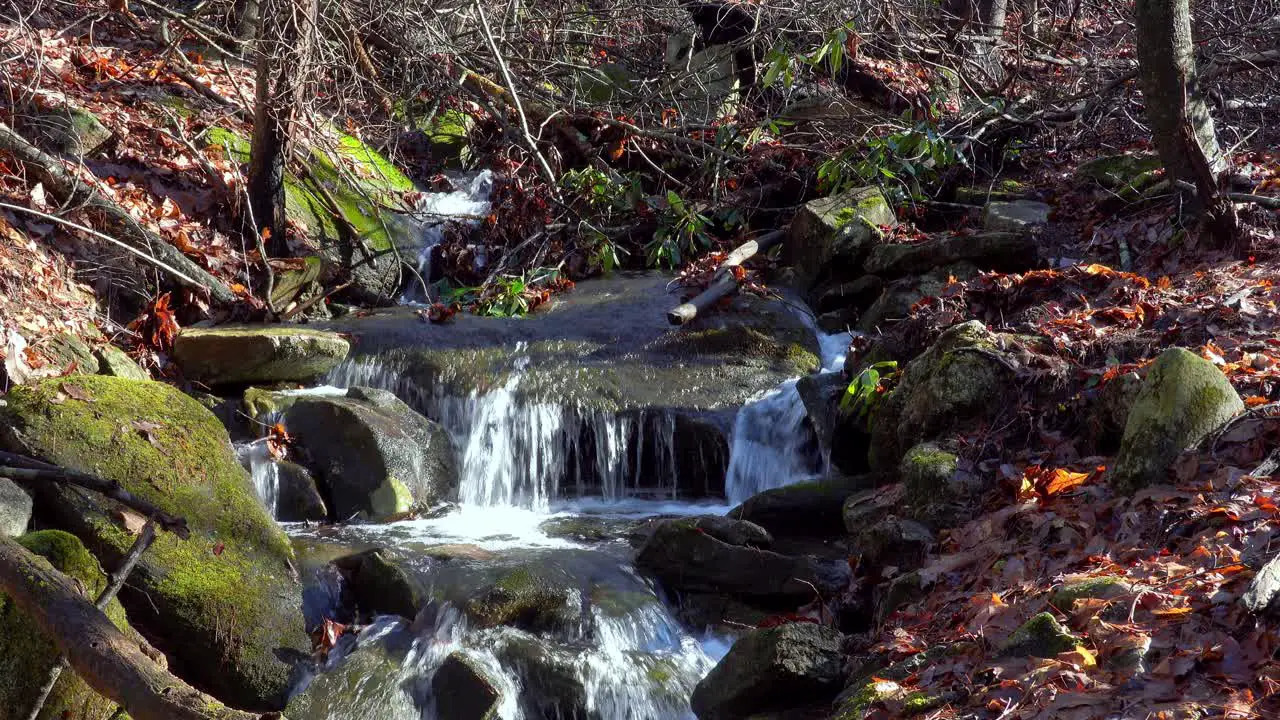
{"x": 725, "y": 283}
{"x": 97, "y": 651}
{"x": 69, "y": 190}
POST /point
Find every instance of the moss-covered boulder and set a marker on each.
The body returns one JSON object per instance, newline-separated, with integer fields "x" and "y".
{"x": 1106, "y": 587}
{"x": 685, "y": 557}
{"x": 66, "y": 129}
{"x": 940, "y": 489}
{"x": 117, "y": 363}
{"x": 808, "y": 509}
{"x": 15, "y": 509}
{"x": 27, "y": 655}
{"x": 867, "y": 695}
{"x": 830, "y": 236}
{"x": 778, "y": 668}
{"x": 374, "y": 454}
{"x": 448, "y": 135}
{"x": 340, "y": 202}
{"x": 524, "y": 599}
{"x": 1003, "y": 250}
{"x": 1042, "y": 636}
{"x": 222, "y": 604}
{"x": 262, "y": 354}
{"x": 962, "y": 380}
{"x": 1183, "y": 399}
{"x": 1127, "y": 173}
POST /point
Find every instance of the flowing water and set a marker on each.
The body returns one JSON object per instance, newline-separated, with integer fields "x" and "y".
{"x": 527, "y": 466}
{"x": 465, "y": 206}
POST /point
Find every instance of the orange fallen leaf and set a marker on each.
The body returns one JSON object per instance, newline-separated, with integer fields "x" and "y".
{"x": 1172, "y": 612}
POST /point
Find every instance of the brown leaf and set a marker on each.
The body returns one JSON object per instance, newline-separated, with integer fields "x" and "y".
{"x": 131, "y": 521}
{"x": 146, "y": 428}
{"x": 76, "y": 392}
{"x": 219, "y": 548}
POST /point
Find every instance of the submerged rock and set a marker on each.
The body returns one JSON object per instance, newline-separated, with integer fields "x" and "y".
{"x": 687, "y": 558}
{"x": 463, "y": 690}
{"x": 833, "y": 234}
{"x": 809, "y": 509}
{"x": 15, "y": 509}
{"x": 263, "y": 354}
{"x": 778, "y": 668}
{"x": 222, "y": 604}
{"x": 1183, "y": 399}
{"x": 379, "y": 586}
{"x": 375, "y": 454}
{"x": 27, "y": 655}
{"x": 551, "y": 686}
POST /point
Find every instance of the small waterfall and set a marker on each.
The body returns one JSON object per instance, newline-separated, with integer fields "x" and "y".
{"x": 772, "y": 443}
{"x": 264, "y": 473}
{"x": 466, "y": 206}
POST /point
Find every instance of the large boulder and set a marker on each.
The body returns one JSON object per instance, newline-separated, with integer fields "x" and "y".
{"x": 15, "y": 509}
{"x": 830, "y": 236}
{"x": 962, "y": 380}
{"x": 222, "y": 604}
{"x": 940, "y": 488}
{"x": 375, "y": 454}
{"x": 796, "y": 664}
{"x": 685, "y": 557}
{"x": 809, "y": 509}
{"x": 66, "y": 129}
{"x": 1183, "y": 399}
{"x": 266, "y": 354}
{"x": 27, "y": 655}
{"x": 1005, "y": 251}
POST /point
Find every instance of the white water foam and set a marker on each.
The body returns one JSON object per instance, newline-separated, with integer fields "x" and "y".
{"x": 466, "y": 206}
{"x": 264, "y": 473}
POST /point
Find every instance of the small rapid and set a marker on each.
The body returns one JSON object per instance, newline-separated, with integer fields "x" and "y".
{"x": 465, "y": 206}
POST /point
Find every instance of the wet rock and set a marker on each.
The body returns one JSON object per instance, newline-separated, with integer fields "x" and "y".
{"x": 861, "y": 510}
{"x": 901, "y": 591}
{"x": 459, "y": 551}
{"x": 264, "y": 354}
{"x": 721, "y": 613}
{"x": 463, "y": 690}
{"x": 963, "y": 379}
{"x": 735, "y": 531}
{"x": 375, "y": 454}
{"x": 894, "y": 542}
{"x": 899, "y": 296}
{"x": 299, "y": 499}
{"x": 15, "y": 509}
{"x": 27, "y": 655}
{"x": 590, "y": 529}
{"x": 524, "y": 599}
{"x": 810, "y": 509}
{"x": 830, "y": 236}
{"x": 842, "y": 435}
{"x": 1004, "y": 251}
{"x": 685, "y": 557}
{"x": 1042, "y": 636}
{"x": 379, "y": 586}
{"x": 222, "y": 604}
{"x": 1019, "y": 217}
{"x": 365, "y": 683}
{"x": 772, "y": 669}
{"x": 116, "y": 362}
{"x": 551, "y": 686}
{"x": 1183, "y": 399}
{"x": 68, "y": 130}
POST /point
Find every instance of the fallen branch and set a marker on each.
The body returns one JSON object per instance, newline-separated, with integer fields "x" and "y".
{"x": 725, "y": 282}
{"x": 144, "y": 243}
{"x": 108, "y": 661}
{"x": 26, "y": 470}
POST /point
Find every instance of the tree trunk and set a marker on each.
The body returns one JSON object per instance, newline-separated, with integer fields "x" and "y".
{"x": 1167, "y": 72}
{"x": 245, "y": 19}
{"x": 976, "y": 29}
{"x": 97, "y": 651}
{"x": 286, "y": 34}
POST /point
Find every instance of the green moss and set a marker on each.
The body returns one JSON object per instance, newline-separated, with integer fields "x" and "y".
{"x": 236, "y": 146}
{"x": 1101, "y": 588}
{"x": 1042, "y": 636}
{"x": 872, "y": 692}
{"x": 26, "y": 655}
{"x": 392, "y": 498}
{"x": 519, "y": 598}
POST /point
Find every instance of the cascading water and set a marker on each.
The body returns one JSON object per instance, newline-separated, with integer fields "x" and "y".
{"x": 264, "y": 473}
{"x": 466, "y": 206}
{"x": 771, "y": 445}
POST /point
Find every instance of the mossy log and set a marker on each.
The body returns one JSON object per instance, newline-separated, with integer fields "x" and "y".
{"x": 98, "y": 652}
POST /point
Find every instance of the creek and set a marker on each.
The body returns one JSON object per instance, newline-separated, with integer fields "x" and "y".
{"x": 557, "y": 487}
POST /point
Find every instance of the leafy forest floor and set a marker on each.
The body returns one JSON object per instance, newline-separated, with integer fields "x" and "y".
{"x": 1125, "y": 278}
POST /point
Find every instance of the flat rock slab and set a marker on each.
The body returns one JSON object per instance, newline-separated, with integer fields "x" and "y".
{"x": 1015, "y": 217}
{"x": 15, "y": 509}
{"x": 266, "y": 354}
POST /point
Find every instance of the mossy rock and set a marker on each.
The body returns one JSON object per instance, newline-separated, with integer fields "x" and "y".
{"x": 522, "y": 599}
{"x": 831, "y": 235}
{"x": 222, "y": 604}
{"x": 257, "y": 354}
{"x": 68, "y": 130}
{"x": 1127, "y": 173}
{"x": 869, "y": 694}
{"x": 1183, "y": 399}
{"x": 1001, "y": 190}
{"x": 361, "y": 182}
{"x": 27, "y": 655}
{"x": 71, "y": 354}
{"x": 291, "y": 284}
{"x": 1042, "y": 636}
{"x": 1097, "y": 588}
{"x": 772, "y": 669}
{"x": 898, "y": 297}
{"x": 117, "y": 363}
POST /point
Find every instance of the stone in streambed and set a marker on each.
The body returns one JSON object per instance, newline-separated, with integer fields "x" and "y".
{"x": 379, "y": 586}
{"x": 808, "y": 509}
{"x": 834, "y": 233}
{"x": 261, "y": 354}
{"x": 27, "y": 655}
{"x": 375, "y": 454}
{"x": 222, "y": 604}
{"x": 15, "y": 509}
{"x": 551, "y": 684}
{"x": 773, "y": 669}
{"x": 524, "y": 599}
{"x": 463, "y": 690}
{"x": 1183, "y": 399}
{"x": 299, "y": 498}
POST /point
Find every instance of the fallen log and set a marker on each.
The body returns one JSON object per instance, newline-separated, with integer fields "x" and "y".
{"x": 100, "y": 654}
{"x": 70, "y": 191}
{"x": 724, "y": 281}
